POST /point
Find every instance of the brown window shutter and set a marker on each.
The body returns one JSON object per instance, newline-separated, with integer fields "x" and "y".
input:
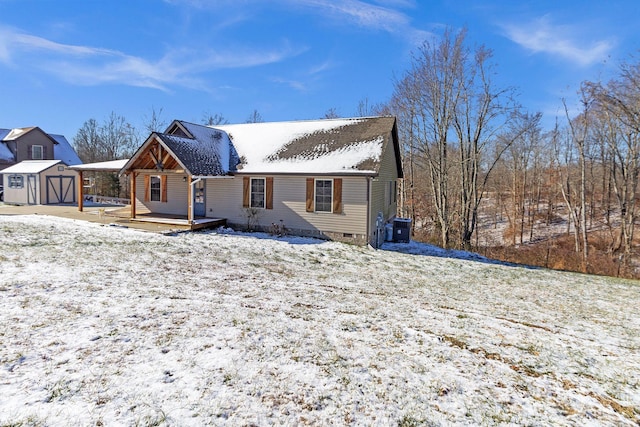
{"x": 337, "y": 196}
{"x": 44, "y": 152}
{"x": 163, "y": 188}
{"x": 147, "y": 188}
{"x": 269, "y": 190}
{"x": 310, "y": 192}
{"x": 246, "y": 183}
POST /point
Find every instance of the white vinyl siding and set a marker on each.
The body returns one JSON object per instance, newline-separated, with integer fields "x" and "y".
{"x": 289, "y": 205}
{"x": 176, "y": 204}
{"x": 383, "y": 188}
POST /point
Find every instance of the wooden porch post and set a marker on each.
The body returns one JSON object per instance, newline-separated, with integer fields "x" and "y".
{"x": 190, "y": 199}
{"x": 133, "y": 195}
{"x": 80, "y": 194}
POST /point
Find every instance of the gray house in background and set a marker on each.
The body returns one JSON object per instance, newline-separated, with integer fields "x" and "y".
{"x": 334, "y": 179}
{"x": 32, "y": 143}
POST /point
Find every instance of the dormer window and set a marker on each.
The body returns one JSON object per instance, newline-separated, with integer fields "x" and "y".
{"x": 37, "y": 152}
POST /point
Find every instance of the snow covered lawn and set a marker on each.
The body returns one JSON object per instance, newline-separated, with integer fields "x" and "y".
{"x": 102, "y": 325}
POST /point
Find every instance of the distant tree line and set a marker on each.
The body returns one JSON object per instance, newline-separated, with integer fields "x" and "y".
{"x": 473, "y": 156}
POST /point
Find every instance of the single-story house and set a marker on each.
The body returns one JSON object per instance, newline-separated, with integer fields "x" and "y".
{"x": 334, "y": 179}
{"x": 39, "y": 182}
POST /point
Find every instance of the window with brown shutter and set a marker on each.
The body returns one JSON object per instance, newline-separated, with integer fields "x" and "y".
{"x": 269, "y": 190}
{"x": 147, "y": 188}
{"x": 246, "y": 187}
{"x": 310, "y": 192}
{"x": 163, "y": 188}
{"x": 337, "y": 196}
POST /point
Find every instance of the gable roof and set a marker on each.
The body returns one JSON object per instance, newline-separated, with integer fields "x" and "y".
{"x": 338, "y": 146}
{"x": 199, "y": 150}
{"x": 31, "y": 166}
{"x": 62, "y": 150}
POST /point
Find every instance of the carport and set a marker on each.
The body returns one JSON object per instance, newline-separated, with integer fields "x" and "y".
{"x": 113, "y": 166}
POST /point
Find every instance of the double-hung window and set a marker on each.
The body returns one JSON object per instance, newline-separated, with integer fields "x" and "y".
{"x": 37, "y": 152}
{"x": 324, "y": 195}
{"x": 258, "y": 192}
{"x": 155, "y": 192}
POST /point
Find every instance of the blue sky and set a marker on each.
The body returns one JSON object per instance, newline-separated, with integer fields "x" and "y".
{"x": 63, "y": 62}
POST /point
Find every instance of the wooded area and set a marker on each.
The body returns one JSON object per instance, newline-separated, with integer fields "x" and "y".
{"x": 481, "y": 173}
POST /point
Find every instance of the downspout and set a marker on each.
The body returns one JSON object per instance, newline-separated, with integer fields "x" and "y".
{"x": 369, "y": 209}
{"x": 192, "y": 193}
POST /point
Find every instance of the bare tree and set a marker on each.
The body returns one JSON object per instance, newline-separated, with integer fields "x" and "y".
{"x": 118, "y": 138}
{"x": 331, "y": 113}
{"x": 154, "y": 122}
{"x": 87, "y": 142}
{"x": 456, "y": 115}
{"x": 215, "y": 119}
{"x": 255, "y": 117}
{"x": 618, "y": 103}
{"x": 367, "y": 109}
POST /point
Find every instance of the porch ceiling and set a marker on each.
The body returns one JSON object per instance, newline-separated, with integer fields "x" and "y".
{"x": 155, "y": 157}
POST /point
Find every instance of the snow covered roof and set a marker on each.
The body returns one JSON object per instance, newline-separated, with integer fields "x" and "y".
{"x": 31, "y": 166}
{"x": 17, "y": 133}
{"x": 340, "y": 146}
{"x": 112, "y": 165}
{"x": 202, "y": 150}
{"x": 5, "y": 153}
{"x": 64, "y": 151}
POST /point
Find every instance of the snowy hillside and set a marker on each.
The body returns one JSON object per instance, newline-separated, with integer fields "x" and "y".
{"x": 110, "y": 326}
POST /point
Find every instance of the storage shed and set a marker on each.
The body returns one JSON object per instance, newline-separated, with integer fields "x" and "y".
{"x": 39, "y": 182}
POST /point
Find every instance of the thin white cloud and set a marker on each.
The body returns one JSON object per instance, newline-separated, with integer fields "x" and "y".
{"x": 16, "y": 41}
{"x": 541, "y": 35}
{"x": 92, "y": 66}
{"x": 294, "y": 84}
{"x": 363, "y": 14}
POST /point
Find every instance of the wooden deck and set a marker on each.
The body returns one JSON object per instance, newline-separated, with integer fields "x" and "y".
{"x": 180, "y": 221}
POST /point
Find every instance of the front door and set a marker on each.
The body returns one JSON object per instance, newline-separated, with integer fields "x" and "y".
{"x": 199, "y": 198}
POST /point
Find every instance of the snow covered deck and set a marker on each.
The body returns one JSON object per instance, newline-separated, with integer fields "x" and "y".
{"x": 182, "y": 221}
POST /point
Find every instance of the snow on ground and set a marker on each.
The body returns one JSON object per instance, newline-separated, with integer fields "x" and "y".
{"x": 102, "y": 325}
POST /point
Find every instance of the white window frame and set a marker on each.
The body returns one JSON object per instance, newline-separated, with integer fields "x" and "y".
{"x": 155, "y": 179}
{"x": 315, "y": 195}
{"x": 264, "y": 193}
{"x": 39, "y": 148}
